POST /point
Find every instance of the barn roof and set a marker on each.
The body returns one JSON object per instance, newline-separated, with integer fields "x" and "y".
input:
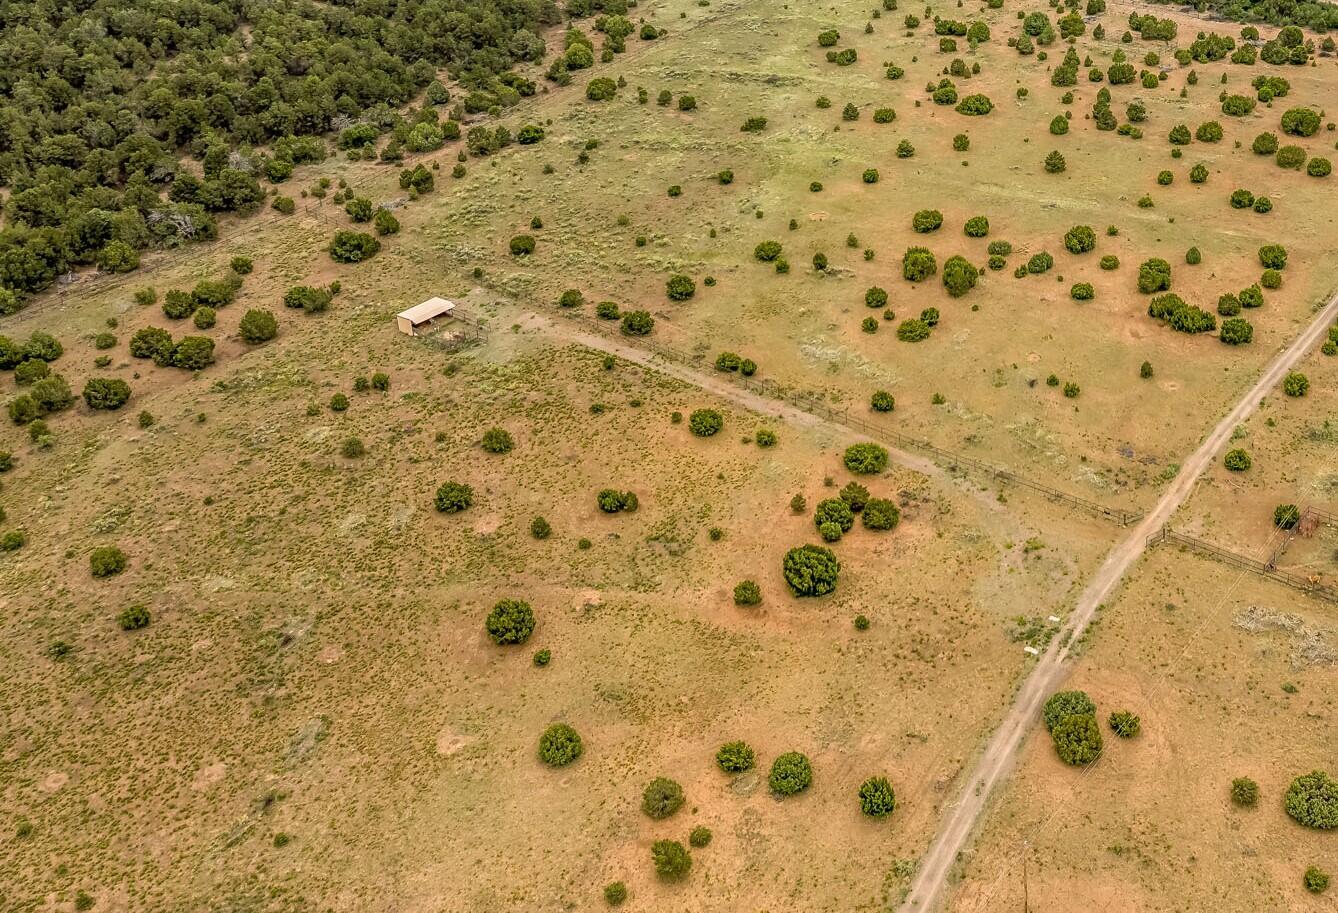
{"x": 432, "y": 307}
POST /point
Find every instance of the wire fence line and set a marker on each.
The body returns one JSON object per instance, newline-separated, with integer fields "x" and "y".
{"x": 815, "y": 405}
{"x": 1263, "y": 568}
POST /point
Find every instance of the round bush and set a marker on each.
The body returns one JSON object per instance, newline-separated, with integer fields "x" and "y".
{"x": 661, "y": 798}
{"x": 913, "y": 330}
{"x": 1125, "y": 724}
{"x": 105, "y": 393}
{"x": 918, "y": 264}
{"x": 747, "y": 593}
{"x": 1062, "y": 704}
{"x": 511, "y": 621}
{"x": 1290, "y": 157}
{"x": 1154, "y": 275}
{"x": 638, "y": 323}
{"x": 453, "y": 497}
{"x": 976, "y": 227}
{"x": 882, "y": 401}
{"x": 134, "y": 618}
{"x": 680, "y": 288}
{"x": 1295, "y": 384}
{"x": 522, "y": 245}
{"x": 735, "y": 757}
{"x": 1237, "y": 460}
{"x": 811, "y": 570}
{"x": 1273, "y": 256}
{"x": 927, "y": 220}
{"x": 1077, "y": 739}
{"x": 1244, "y": 791}
{"x": 1082, "y": 291}
{"x": 540, "y": 528}
{"x": 1110, "y": 262}
{"x": 671, "y": 858}
{"x": 705, "y": 422}
{"x": 497, "y": 440}
{"x": 1265, "y": 144}
{"x": 865, "y": 458}
{"x": 1319, "y": 167}
{"x": 767, "y": 251}
{"x": 791, "y": 773}
{"x": 615, "y": 893}
{"x": 1312, "y": 801}
{"x": 875, "y": 297}
{"x": 1079, "y": 239}
{"x": 1286, "y": 516}
{"x": 106, "y": 561}
{"x": 560, "y": 745}
{"x": 699, "y": 837}
{"x": 876, "y": 797}
{"x": 835, "y": 511}
{"x": 880, "y": 514}
{"x": 959, "y": 276}
{"x": 1236, "y": 331}
{"x": 1040, "y": 263}
{"x": 258, "y": 326}
{"x": 1300, "y": 122}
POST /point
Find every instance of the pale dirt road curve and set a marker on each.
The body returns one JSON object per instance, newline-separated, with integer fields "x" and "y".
{"x": 926, "y": 889}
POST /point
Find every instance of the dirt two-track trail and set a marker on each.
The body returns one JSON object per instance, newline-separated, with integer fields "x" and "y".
{"x": 927, "y": 887}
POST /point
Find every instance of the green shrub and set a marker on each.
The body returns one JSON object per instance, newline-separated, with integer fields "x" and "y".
{"x": 1040, "y": 263}
{"x": 865, "y": 458}
{"x": 638, "y": 323}
{"x": 1077, "y": 739}
{"x": 1286, "y": 516}
{"x": 1290, "y": 157}
{"x": 672, "y": 860}
{"x": 975, "y": 105}
{"x": 735, "y": 757}
{"x": 1312, "y": 801}
{"x": 811, "y": 570}
{"x": 1210, "y": 132}
{"x": 257, "y": 326}
{"x": 1273, "y": 256}
{"x": 880, "y": 514}
{"x": 1062, "y": 704}
{"x": 1251, "y": 297}
{"x": 918, "y": 264}
{"x": 1125, "y": 724}
{"x": 913, "y": 330}
{"x": 661, "y": 798}
{"x": 1079, "y": 239}
{"x": 106, "y": 561}
{"x": 1237, "y": 460}
{"x": 1316, "y": 880}
{"x": 1236, "y": 331}
{"x": 106, "y": 393}
{"x": 615, "y": 893}
{"x": 835, "y": 511}
{"x": 511, "y": 621}
{"x": 680, "y": 288}
{"x": 976, "y": 227}
{"x": 601, "y": 88}
{"x": 522, "y": 245}
{"x": 882, "y": 401}
{"x": 560, "y": 745}
{"x": 1319, "y": 167}
{"x": 1054, "y": 162}
{"x": 134, "y": 618}
{"x": 927, "y": 220}
{"x": 705, "y": 422}
{"x": 453, "y": 497}
{"x": 1265, "y": 144}
{"x": 791, "y": 773}
{"x": 1295, "y": 384}
{"x": 1300, "y": 122}
{"x": 612, "y": 501}
{"x": 353, "y": 246}
{"x": 1059, "y": 125}
{"x": 747, "y": 593}
{"x": 959, "y": 276}
{"x": 497, "y": 440}
{"x": 1198, "y": 174}
{"x": 1244, "y": 791}
{"x": 876, "y": 797}
{"x": 699, "y": 837}
{"x": 1082, "y": 291}
{"x": 767, "y": 251}
{"x": 875, "y": 297}
{"x": 1154, "y": 275}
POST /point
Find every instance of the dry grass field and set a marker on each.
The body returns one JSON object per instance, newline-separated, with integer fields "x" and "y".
{"x": 316, "y": 719}
{"x": 1233, "y": 677}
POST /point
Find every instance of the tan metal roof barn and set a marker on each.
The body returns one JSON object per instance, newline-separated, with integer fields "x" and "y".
{"x": 420, "y": 315}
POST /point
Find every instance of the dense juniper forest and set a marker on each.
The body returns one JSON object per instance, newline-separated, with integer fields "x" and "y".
{"x": 127, "y": 125}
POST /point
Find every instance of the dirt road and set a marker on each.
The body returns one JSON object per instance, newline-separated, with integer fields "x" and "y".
{"x": 926, "y": 889}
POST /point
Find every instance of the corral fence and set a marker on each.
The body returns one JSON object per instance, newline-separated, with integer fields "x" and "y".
{"x": 1263, "y": 568}
{"x": 458, "y": 332}
{"x": 841, "y": 415}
